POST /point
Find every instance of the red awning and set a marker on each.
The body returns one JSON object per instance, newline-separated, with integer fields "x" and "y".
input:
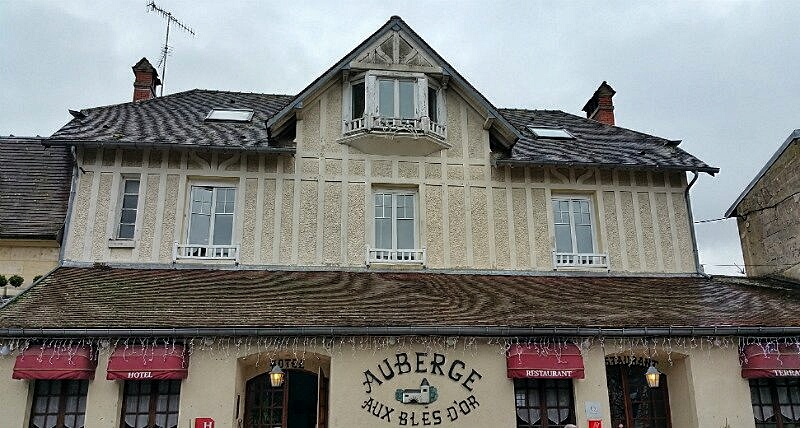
{"x": 551, "y": 361}
{"x": 53, "y": 363}
{"x": 137, "y": 363}
{"x": 770, "y": 360}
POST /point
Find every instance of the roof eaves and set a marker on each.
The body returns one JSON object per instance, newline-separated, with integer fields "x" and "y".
{"x": 166, "y": 145}
{"x": 795, "y": 135}
{"x": 520, "y": 162}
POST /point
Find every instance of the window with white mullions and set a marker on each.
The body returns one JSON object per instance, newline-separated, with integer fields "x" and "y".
{"x": 395, "y": 228}
{"x": 211, "y": 217}
{"x": 573, "y": 225}
{"x": 396, "y": 98}
{"x": 128, "y": 208}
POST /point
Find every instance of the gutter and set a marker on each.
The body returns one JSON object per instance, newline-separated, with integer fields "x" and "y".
{"x": 172, "y": 146}
{"x": 692, "y": 233}
{"x": 489, "y": 331}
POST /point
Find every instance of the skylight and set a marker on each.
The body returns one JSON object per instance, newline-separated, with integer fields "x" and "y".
{"x": 550, "y": 133}
{"x": 230, "y": 115}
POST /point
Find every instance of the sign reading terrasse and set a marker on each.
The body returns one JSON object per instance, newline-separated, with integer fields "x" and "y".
{"x": 419, "y": 403}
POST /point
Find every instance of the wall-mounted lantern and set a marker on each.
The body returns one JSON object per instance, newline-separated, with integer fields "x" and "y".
{"x": 276, "y": 376}
{"x": 653, "y": 376}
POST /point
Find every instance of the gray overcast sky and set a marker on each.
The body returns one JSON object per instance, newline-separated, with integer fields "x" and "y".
{"x": 721, "y": 76}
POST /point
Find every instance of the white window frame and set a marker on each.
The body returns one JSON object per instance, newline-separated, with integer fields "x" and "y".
{"x": 210, "y": 251}
{"x": 371, "y": 94}
{"x": 575, "y": 258}
{"x": 380, "y": 254}
{"x": 120, "y": 207}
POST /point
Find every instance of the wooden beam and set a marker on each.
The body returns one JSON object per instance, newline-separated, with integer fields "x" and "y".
{"x": 488, "y": 122}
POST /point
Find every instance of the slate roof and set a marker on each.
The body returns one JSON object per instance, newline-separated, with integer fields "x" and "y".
{"x": 595, "y": 144}
{"x": 34, "y": 188}
{"x": 177, "y": 120}
{"x": 74, "y": 297}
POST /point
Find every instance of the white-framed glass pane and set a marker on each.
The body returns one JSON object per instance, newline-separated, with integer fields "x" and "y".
{"x": 358, "y": 99}
{"x": 405, "y": 234}
{"x": 583, "y": 239}
{"x": 383, "y": 233}
{"x": 132, "y": 186}
{"x": 550, "y": 132}
{"x": 233, "y": 115}
{"x": 563, "y": 238}
{"x": 386, "y": 98}
{"x": 433, "y": 112}
{"x": 407, "y": 99}
{"x": 226, "y": 200}
{"x": 223, "y": 229}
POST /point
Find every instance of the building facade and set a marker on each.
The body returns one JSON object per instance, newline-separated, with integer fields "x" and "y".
{"x": 768, "y": 215}
{"x": 386, "y": 248}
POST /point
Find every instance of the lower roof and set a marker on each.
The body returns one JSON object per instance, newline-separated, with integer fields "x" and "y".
{"x": 123, "y": 298}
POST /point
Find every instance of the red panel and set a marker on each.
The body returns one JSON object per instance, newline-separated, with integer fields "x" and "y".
{"x": 54, "y": 363}
{"x": 137, "y": 363}
{"x": 545, "y": 362}
{"x": 770, "y": 360}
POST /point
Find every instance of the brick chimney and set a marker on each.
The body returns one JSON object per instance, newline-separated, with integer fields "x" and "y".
{"x": 600, "y": 107}
{"x": 144, "y": 87}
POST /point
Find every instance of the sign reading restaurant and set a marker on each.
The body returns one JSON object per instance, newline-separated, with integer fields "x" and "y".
{"x": 414, "y": 406}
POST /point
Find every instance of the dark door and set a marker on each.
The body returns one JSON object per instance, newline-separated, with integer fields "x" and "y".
{"x": 633, "y": 403}
{"x": 293, "y": 405}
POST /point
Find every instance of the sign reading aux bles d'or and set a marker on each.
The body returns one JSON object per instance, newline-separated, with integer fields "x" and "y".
{"x": 418, "y": 402}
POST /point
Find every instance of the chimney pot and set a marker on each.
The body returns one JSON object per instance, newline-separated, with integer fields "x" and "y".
{"x": 600, "y": 107}
{"x": 145, "y": 82}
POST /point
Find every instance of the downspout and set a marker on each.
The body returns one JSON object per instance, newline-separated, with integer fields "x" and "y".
{"x": 695, "y": 252}
{"x": 72, "y": 192}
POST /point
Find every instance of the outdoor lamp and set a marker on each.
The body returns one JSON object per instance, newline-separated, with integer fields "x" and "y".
{"x": 652, "y": 375}
{"x": 276, "y": 376}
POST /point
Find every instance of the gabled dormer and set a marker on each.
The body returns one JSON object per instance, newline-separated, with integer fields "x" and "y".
{"x": 394, "y": 97}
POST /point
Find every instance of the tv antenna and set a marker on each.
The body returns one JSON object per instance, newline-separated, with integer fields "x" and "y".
{"x": 166, "y": 49}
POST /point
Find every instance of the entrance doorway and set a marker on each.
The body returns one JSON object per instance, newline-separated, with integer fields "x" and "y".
{"x": 301, "y": 402}
{"x": 633, "y": 403}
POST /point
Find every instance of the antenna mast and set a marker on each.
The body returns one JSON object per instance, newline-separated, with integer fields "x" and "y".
{"x": 165, "y": 50}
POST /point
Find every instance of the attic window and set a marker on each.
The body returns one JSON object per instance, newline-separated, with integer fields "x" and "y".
{"x": 560, "y": 133}
{"x": 230, "y": 115}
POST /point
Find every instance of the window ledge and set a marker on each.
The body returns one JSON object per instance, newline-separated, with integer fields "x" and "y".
{"x": 121, "y": 243}
{"x": 580, "y": 261}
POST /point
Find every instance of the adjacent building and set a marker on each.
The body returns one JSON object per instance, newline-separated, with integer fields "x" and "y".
{"x": 34, "y": 194}
{"x": 768, "y": 215}
{"x": 386, "y": 248}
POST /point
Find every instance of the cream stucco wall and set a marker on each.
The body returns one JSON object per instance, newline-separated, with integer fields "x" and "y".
{"x": 706, "y": 387}
{"x": 27, "y": 259}
{"x": 315, "y": 208}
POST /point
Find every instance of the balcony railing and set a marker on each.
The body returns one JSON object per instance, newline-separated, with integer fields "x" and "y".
{"x": 580, "y": 260}
{"x": 205, "y": 252}
{"x": 414, "y": 256}
{"x": 394, "y": 124}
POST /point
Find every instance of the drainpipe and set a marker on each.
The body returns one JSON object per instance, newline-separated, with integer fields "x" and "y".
{"x": 72, "y": 192}
{"x": 695, "y": 252}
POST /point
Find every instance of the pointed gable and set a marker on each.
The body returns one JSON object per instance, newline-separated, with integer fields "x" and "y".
{"x": 396, "y": 47}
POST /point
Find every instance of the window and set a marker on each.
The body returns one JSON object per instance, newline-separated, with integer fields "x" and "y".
{"x": 776, "y": 402}
{"x": 545, "y": 403}
{"x": 573, "y": 225}
{"x": 396, "y": 98}
{"x": 433, "y": 113}
{"x": 59, "y": 403}
{"x": 151, "y": 404}
{"x": 230, "y": 115}
{"x": 128, "y": 208}
{"x": 559, "y": 133}
{"x": 211, "y": 216}
{"x": 358, "y": 100}
{"x": 395, "y": 227}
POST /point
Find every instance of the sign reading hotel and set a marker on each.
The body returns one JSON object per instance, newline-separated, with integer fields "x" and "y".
{"x": 417, "y": 402}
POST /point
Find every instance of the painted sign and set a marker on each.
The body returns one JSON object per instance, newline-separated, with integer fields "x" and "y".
{"x": 426, "y": 394}
{"x": 290, "y": 363}
{"x": 204, "y": 423}
{"x": 596, "y": 424}
{"x": 628, "y": 360}
{"x": 404, "y": 365}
